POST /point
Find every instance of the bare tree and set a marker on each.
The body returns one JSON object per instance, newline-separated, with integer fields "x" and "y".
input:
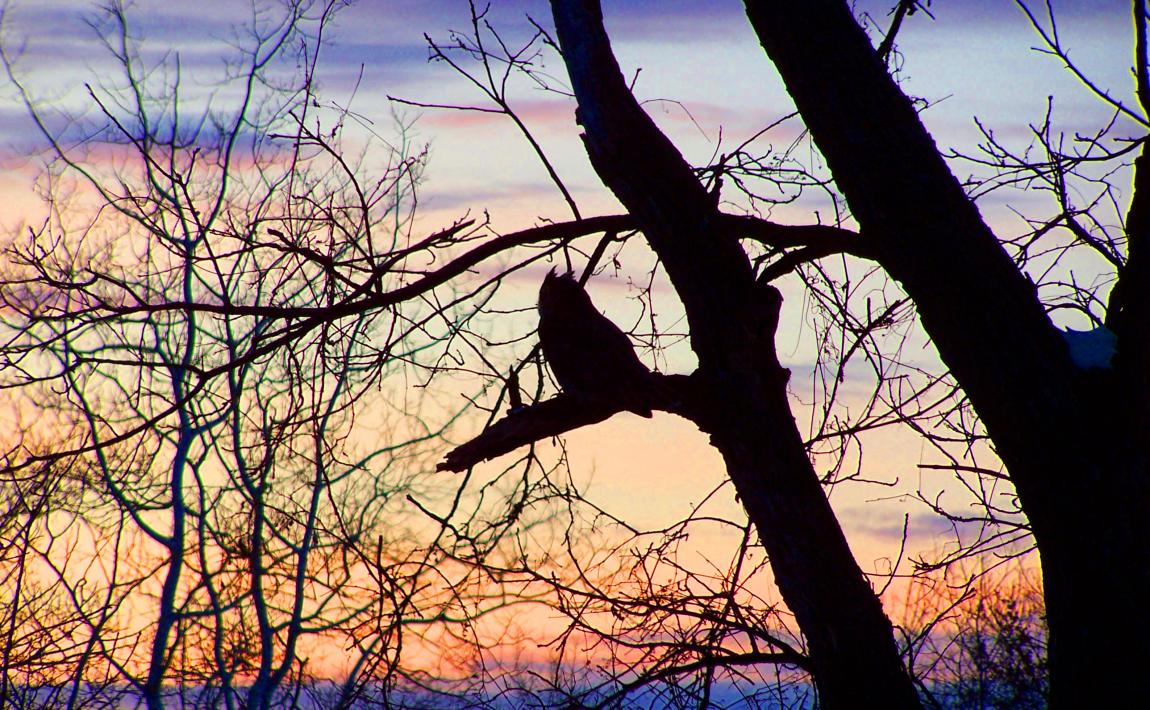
{"x": 198, "y": 350}
{"x": 1018, "y": 402}
{"x": 220, "y": 291}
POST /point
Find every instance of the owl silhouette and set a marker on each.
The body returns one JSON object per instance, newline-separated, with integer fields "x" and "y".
{"x": 589, "y": 355}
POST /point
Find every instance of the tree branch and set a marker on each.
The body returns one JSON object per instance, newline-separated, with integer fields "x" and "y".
{"x": 819, "y": 237}
{"x": 677, "y": 394}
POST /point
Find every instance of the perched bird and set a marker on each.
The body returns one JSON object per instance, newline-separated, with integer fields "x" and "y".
{"x": 589, "y": 355}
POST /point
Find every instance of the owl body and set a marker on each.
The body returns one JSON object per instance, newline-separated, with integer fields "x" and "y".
{"x": 588, "y": 354}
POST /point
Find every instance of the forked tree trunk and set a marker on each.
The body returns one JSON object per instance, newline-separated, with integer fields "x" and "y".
{"x": 732, "y": 321}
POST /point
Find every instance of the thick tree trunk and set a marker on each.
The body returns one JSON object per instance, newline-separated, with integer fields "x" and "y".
{"x": 732, "y": 322}
{"x": 1073, "y": 440}
{"x": 851, "y": 644}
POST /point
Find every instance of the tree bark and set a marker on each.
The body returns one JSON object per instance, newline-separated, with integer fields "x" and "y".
{"x": 1074, "y": 440}
{"x": 732, "y": 323}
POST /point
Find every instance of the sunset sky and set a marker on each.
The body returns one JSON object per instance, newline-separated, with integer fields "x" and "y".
{"x": 705, "y": 80}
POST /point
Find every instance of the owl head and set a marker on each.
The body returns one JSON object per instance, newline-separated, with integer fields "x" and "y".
{"x": 558, "y": 290}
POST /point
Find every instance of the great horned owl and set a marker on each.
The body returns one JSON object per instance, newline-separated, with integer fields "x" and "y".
{"x": 590, "y": 357}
